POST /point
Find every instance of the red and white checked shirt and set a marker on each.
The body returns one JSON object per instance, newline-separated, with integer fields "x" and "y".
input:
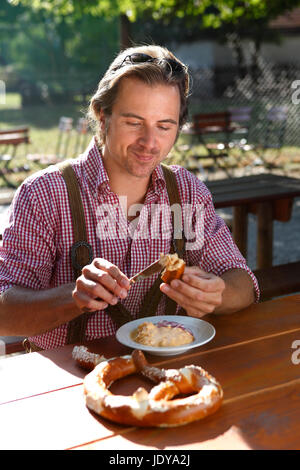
{"x": 37, "y": 241}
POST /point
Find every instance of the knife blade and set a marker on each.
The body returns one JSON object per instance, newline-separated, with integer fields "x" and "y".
{"x": 153, "y": 268}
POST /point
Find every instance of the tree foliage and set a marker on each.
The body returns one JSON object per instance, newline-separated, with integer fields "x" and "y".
{"x": 214, "y": 13}
{"x": 60, "y": 37}
{"x": 248, "y": 17}
{"x": 52, "y": 56}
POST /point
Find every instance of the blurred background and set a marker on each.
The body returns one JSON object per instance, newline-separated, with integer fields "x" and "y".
{"x": 240, "y": 53}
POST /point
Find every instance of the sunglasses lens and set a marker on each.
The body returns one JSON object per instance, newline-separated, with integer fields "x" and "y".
{"x": 139, "y": 58}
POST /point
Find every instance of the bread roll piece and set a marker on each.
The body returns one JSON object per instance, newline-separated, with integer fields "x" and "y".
{"x": 174, "y": 267}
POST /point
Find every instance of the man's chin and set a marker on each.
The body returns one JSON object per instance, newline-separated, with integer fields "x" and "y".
{"x": 142, "y": 170}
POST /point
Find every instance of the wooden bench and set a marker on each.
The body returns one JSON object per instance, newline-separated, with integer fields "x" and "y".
{"x": 207, "y": 124}
{"x": 279, "y": 280}
{"x": 13, "y": 344}
{"x": 214, "y": 131}
{"x": 11, "y": 138}
{"x": 14, "y": 137}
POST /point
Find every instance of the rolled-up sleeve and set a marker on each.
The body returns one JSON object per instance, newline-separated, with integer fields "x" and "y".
{"x": 27, "y": 254}
{"x": 218, "y": 252}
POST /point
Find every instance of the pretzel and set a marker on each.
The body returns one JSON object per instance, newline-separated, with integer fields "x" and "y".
{"x": 174, "y": 268}
{"x": 86, "y": 359}
{"x": 155, "y": 408}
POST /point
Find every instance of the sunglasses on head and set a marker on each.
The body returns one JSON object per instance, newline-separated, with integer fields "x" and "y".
{"x": 139, "y": 58}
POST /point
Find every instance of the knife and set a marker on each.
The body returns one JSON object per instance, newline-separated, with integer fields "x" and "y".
{"x": 153, "y": 268}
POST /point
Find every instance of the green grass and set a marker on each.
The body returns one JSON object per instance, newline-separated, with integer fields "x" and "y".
{"x": 40, "y": 117}
{"x": 44, "y": 135}
{"x": 12, "y": 101}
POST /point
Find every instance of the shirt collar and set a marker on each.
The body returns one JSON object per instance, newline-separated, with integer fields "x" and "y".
{"x": 96, "y": 174}
{"x": 158, "y": 180}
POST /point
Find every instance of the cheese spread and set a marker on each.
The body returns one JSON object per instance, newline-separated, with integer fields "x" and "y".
{"x": 161, "y": 336}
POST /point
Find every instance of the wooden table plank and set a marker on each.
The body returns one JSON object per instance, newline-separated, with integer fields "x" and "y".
{"x": 258, "y": 320}
{"x": 27, "y": 375}
{"x": 251, "y": 189}
{"x": 269, "y": 419}
{"x": 240, "y": 369}
{"x": 36, "y": 373}
{"x": 56, "y": 420}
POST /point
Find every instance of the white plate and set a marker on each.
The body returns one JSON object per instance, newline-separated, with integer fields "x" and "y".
{"x": 203, "y": 332}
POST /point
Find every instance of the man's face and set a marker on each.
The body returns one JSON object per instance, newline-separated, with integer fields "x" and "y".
{"x": 142, "y": 128}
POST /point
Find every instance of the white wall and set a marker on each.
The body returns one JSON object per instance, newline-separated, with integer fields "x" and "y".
{"x": 210, "y": 53}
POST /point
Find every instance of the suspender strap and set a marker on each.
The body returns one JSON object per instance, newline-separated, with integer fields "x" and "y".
{"x": 120, "y": 315}
{"x": 81, "y": 251}
{"x": 178, "y": 237}
{"x": 175, "y": 202}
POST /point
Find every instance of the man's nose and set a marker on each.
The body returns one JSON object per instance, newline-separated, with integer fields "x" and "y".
{"x": 148, "y": 138}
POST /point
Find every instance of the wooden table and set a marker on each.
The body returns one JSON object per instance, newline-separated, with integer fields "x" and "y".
{"x": 252, "y": 355}
{"x": 268, "y": 196}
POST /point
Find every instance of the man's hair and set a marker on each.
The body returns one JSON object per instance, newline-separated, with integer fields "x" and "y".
{"x": 158, "y": 71}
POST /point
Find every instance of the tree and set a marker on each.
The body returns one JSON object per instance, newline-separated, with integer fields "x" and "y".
{"x": 234, "y": 16}
{"x": 77, "y": 9}
{"x": 8, "y": 19}
{"x": 53, "y": 57}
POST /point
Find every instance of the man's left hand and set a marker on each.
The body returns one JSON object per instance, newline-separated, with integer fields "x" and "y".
{"x": 198, "y": 292}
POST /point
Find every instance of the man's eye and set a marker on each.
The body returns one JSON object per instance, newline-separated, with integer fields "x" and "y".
{"x": 163, "y": 128}
{"x": 130, "y": 123}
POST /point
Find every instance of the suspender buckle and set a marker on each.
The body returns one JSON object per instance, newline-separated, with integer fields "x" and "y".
{"x": 74, "y": 248}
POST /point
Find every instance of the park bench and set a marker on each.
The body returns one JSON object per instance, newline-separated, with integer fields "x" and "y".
{"x": 13, "y": 344}
{"x": 15, "y": 136}
{"x": 10, "y": 140}
{"x": 217, "y": 133}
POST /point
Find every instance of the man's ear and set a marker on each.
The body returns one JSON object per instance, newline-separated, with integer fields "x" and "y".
{"x": 102, "y": 121}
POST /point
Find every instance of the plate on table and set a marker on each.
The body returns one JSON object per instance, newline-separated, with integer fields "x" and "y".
{"x": 202, "y": 331}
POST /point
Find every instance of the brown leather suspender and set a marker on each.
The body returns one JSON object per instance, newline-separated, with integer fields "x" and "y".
{"x": 81, "y": 255}
{"x": 81, "y": 252}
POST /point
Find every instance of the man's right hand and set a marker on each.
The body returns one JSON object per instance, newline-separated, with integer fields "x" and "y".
{"x": 100, "y": 284}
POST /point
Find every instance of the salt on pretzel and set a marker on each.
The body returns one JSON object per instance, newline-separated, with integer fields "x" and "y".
{"x": 85, "y": 358}
{"x": 155, "y": 408}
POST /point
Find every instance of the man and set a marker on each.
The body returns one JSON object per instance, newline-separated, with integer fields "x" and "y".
{"x": 138, "y": 109}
